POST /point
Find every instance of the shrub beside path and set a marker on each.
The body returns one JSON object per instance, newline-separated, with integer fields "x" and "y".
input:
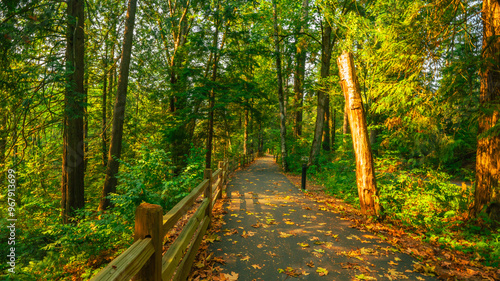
{"x": 273, "y": 231}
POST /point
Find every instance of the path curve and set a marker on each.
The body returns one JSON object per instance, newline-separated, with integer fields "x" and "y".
{"x": 274, "y": 232}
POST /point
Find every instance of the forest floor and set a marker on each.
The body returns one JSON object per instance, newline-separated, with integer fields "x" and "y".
{"x": 266, "y": 228}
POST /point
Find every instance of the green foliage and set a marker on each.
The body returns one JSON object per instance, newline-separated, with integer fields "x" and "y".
{"x": 419, "y": 198}
{"x": 177, "y": 188}
{"x": 149, "y": 179}
{"x": 422, "y": 198}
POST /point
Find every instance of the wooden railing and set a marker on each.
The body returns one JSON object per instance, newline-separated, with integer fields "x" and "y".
{"x": 144, "y": 260}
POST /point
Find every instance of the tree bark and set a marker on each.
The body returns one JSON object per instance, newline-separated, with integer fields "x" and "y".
{"x": 104, "y": 121}
{"x": 4, "y": 133}
{"x": 211, "y": 94}
{"x": 345, "y": 124}
{"x": 488, "y": 144}
{"x": 261, "y": 139}
{"x": 245, "y": 135}
{"x": 73, "y": 168}
{"x": 115, "y": 146}
{"x": 326, "y": 126}
{"x": 326, "y": 55}
{"x": 281, "y": 96}
{"x": 333, "y": 128}
{"x": 298, "y": 77}
{"x": 365, "y": 172}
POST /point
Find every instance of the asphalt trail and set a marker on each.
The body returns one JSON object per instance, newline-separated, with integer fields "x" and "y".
{"x": 272, "y": 228}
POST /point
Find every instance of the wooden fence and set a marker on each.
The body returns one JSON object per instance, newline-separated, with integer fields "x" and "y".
{"x": 144, "y": 260}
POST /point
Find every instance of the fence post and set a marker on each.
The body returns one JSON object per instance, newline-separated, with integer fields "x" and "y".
{"x": 221, "y": 177}
{"x": 208, "y": 191}
{"x": 149, "y": 223}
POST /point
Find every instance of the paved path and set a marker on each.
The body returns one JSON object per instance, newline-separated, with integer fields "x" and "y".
{"x": 273, "y": 229}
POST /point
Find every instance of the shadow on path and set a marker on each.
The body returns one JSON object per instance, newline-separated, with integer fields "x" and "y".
{"x": 274, "y": 232}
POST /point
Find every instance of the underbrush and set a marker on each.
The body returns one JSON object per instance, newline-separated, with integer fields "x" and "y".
{"x": 422, "y": 200}
{"x": 46, "y": 249}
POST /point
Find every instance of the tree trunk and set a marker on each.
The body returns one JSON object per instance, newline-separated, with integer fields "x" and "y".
{"x": 326, "y": 126}
{"x": 209, "y": 147}
{"x": 345, "y": 124}
{"x": 4, "y": 133}
{"x": 488, "y": 144}
{"x": 85, "y": 123}
{"x": 73, "y": 168}
{"x": 261, "y": 139}
{"x": 365, "y": 172}
{"x": 104, "y": 121}
{"x": 333, "y": 128}
{"x": 281, "y": 96}
{"x": 298, "y": 77}
{"x": 115, "y": 146}
{"x": 245, "y": 135}
{"x": 326, "y": 54}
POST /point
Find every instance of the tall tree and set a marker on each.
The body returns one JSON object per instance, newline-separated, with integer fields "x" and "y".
{"x": 211, "y": 94}
{"x": 488, "y": 144}
{"x": 115, "y": 146}
{"x": 327, "y": 43}
{"x": 73, "y": 168}
{"x": 281, "y": 95}
{"x": 365, "y": 172}
{"x": 300, "y": 68}
{"x": 245, "y": 134}
{"x": 326, "y": 126}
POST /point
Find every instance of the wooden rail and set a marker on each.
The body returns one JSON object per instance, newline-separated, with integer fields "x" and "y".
{"x": 144, "y": 260}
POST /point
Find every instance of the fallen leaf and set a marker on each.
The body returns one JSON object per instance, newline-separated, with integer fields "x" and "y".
{"x": 365, "y": 277}
{"x": 322, "y": 271}
{"x": 303, "y": 245}
{"x": 231, "y": 277}
{"x": 256, "y": 266}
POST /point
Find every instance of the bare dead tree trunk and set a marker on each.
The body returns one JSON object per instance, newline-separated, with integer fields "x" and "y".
{"x": 115, "y": 146}
{"x": 488, "y": 144}
{"x": 365, "y": 172}
{"x": 281, "y": 95}
{"x": 73, "y": 165}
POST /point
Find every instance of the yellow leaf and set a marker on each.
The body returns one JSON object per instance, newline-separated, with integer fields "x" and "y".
{"x": 322, "y": 271}
{"x": 231, "y": 277}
